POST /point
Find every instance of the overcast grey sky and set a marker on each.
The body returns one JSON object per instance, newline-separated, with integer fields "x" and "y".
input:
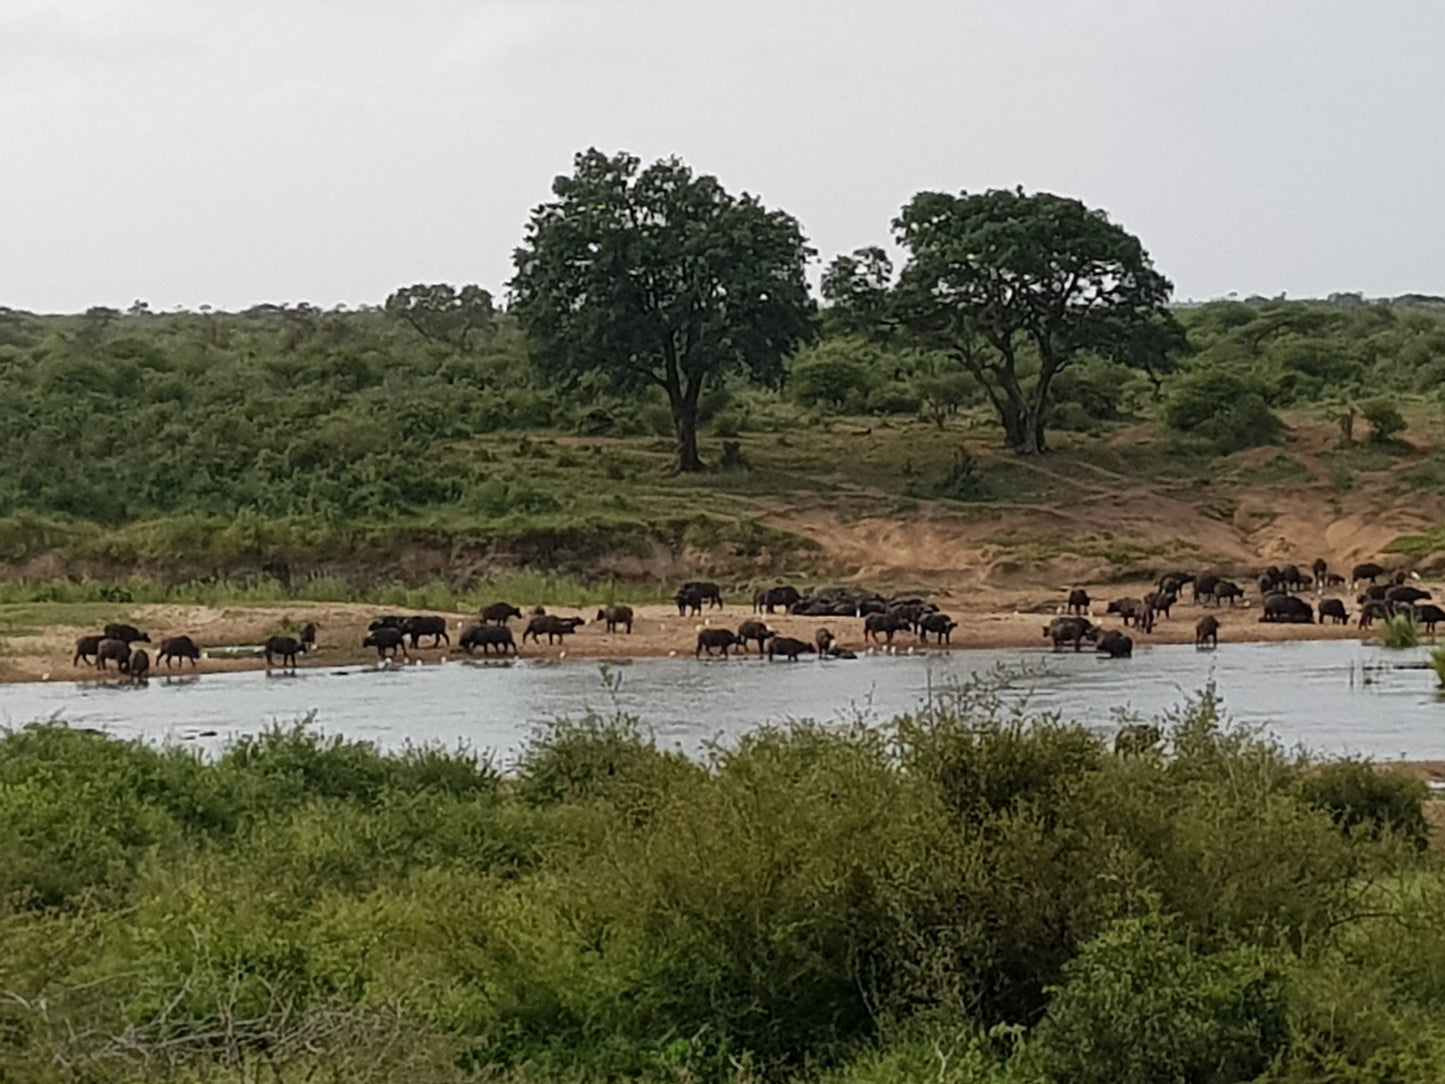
{"x": 195, "y": 152}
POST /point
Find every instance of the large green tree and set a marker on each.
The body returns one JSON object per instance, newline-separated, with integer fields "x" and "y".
{"x": 657, "y": 277}
{"x": 1015, "y": 287}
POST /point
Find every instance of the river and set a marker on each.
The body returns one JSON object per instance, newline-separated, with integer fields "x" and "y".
{"x": 1335, "y": 697}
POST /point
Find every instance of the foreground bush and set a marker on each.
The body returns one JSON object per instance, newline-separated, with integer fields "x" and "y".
{"x": 961, "y": 895}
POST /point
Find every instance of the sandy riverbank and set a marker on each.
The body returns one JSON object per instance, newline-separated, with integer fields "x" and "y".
{"x": 991, "y": 619}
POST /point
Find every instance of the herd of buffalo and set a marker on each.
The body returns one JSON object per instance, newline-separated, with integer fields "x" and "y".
{"x": 1282, "y": 599}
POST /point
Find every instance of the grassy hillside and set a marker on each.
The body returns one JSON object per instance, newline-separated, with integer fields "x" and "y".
{"x": 288, "y": 444}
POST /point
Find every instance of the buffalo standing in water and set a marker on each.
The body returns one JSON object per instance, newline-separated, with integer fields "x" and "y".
{"x": 284, "y": 648}
{"x": 178, "y": 647}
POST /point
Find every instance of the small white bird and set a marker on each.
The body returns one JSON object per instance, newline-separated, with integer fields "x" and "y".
{"x": 561, "y": 654}
{"x": 672, "y": 654}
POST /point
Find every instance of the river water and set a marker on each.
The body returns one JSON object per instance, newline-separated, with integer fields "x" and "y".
{"x": 1335, "y": 697}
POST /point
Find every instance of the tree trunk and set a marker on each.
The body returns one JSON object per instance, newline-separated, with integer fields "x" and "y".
{"x": 1033, "y": 441}
{"x": 684, "y": 419}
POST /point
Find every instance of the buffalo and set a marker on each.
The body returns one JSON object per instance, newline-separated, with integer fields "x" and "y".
{"x": 1161, "y": 601}
{"x": 126, "y": 633}
{"x": 789, "y": 648}
{"x": 1203, "y": 588}
{"x": 387, "y": 621}
{"x": 710, "y": 640}
{"x": 753, "y": 629}
{"x": 140, "y": 665}
{"x": 1115, "y": 644}
{"x": 555, "y": 628}
{"x": 688, "y": 603}
{"x": 1373, "y": 611}
{"x": 308, "y": 635}
{"x": 1366, "y": 571}
{"x": 1429, "y": 616}
{"x": 1078, "y": 602}
{"x": 1321, "y": 571}
{"x": 710, "y": 593}
{"x": 1334, "y": 609}
{"x": 286, "y": 649}
{"x": 179, "y": 647}
{"x": 1070, "y": 630}
{"x": 1226, "y": 589}
{"x": 824, "y": 640}
{"x": 1405, "y": 594}
{"x": 941, "y": 625}
{"x": 435, "y": 627}
{"x": 615, "y": 616}
{"x": 1286, "y": 609}
{"x": 1127, "y": 608}
{"x": 387, "y": 640}
{"x": 768, "y": 599}
{"x": 486, "y": 637}
{"x": 499, "y": 613}
{"x": 111, "y": 649}
{"x": 85, "y": 648}
{"x": 1206, "y": 631}
{"x": 876, "y": 625}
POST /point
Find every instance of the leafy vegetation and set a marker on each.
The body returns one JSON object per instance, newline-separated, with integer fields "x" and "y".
{"x": 963, "y": 893}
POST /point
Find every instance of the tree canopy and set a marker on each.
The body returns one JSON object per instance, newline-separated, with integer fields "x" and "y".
{"x": 659, "y": 277}
{"x": 441, "y": 313}
{"x": 1015, "y": 287}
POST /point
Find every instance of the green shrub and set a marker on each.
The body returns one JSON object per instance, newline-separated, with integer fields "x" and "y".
{"x": 1356, "y": 795}
{"x": 1400, "y": 630}
{"x": 1227, "y": 410}
{"x": 1139, "y": 1005}
{"x": 1386, "y": 421}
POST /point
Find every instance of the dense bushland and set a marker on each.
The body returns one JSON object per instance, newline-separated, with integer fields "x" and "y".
{"x": 207, "y": 445}
{"x": 960, "y": 895}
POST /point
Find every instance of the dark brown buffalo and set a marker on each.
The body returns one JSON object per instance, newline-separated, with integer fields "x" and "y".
{"x": 128, "y": 633}
{"x": 85, "y": 648}
{"x": 486, "y": 637}
{"x": 1373, "y": 593}
{"x": 1115, "y": 644}
{"x": 710, "y": 593}
{"x": 1203, "y": 589}
{"x": 178, "y": 647}
{"x": 140, "y": 665}
{"x": 1429, "y": 615}
{"x": 112, "y": 650}
{"x": 1161, "y": 601}
{"x": 286, "y": 649}
{"x": 688, "y": 603}
{"x": 422, "y": 625}
{"x": 753, "y": 629}
{"x": 1280, "y": 608}
{"x": 1144, "y": 621}
{"x": 1373, "y": 611}
{"x": 1127, "y": 608}
{"x": 1334, "y": 609}
{"x": 1404, "y": 593}
{"x": 769, "y": 598}
{"x": 940, "y": 625}
{"x": 824, "y": 640}
{"x": 884, "y": 625}
{"x": 308, "y": 634}
{"x": 1070, "y": 630}
{"x": 499, "y": 613}
{"x": 1206, "y": 631}
{"x": 1366, "y": 571}
{"x": 614, "y": 616}
{"x": 1321, "y": 571}
{"x": 1078, "y": 602}
{"x": 1171, "y": 583}
{"x": 789, "y": 648}
{"x": 387, "y": 640}
{"x": 555, "y": 628}
{"x": 1293, "y": 579}
{"x": 710, "y": 640}
{"x": 1227, "y": 590}
{"x": 387, "y": 621}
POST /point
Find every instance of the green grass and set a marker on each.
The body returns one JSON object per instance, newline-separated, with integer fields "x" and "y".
{"x": 1437, "y": 663}
{"x": 1418, "y": 545}
{"x": 1400, "y": 631}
